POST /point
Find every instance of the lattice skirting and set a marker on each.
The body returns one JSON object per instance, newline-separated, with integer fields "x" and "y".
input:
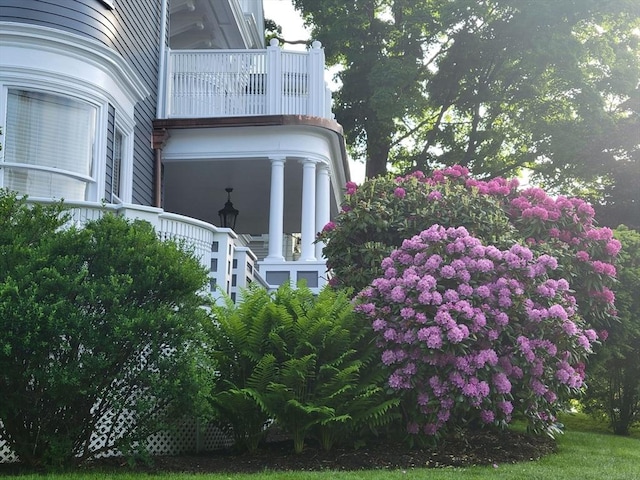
{"x": 187, "y": 438}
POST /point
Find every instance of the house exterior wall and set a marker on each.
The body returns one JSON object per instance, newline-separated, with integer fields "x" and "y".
{"x": 131, "y": 29}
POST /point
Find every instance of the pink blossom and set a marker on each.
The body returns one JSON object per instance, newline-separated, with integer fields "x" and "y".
{"x": 502, "y": 383}
{"x": 399, "y": 192}
{"x": 506, "y": 407}
{"x": 398, "y": 294}
{"x": 413, "y": 428}
{"x": 388, "y": 357}
{"x": 538, "y": 387}
{"x": 351, "y": 188}
{"x": 379, "y": 324}
{"x": 390, "y": 334}
{"x": 603, "y": 268}
{"x": 569, "y": 327}
{"x": 558, "y": 311}
{"x": 423, "y": 398}
{"x": 591, "y": 335}
{"x": 329, "y": 227}
{"x": 501, "y": 319}
{"x": 582, "y": 256}
{"x": 613, "y": 247}
{"x": 366, "y": 308}
{"x": 430, "y": 429}
{"x": 447, "y": 271}
{"x": 487, "y": 416}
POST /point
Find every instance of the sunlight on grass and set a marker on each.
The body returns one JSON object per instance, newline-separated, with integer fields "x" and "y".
{"x": 587, "y": 451}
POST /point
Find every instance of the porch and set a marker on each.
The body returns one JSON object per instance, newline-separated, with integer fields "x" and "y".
{"x": 260, "y": 122}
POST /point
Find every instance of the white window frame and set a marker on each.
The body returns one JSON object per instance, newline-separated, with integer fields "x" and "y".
{"x": 126, "y": 129}
{"x": 91, "y": 180}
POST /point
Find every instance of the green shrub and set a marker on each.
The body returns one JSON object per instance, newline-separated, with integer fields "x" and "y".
{"x": 100, "y": 323}
{"x": 614, "y": 385}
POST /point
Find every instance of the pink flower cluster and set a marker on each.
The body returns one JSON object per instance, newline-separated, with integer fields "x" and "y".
{"x": 468, "y": 328}
{"x": 545, "y": 221}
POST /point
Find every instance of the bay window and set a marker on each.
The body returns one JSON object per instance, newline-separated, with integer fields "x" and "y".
{"x": 50, "y": 147}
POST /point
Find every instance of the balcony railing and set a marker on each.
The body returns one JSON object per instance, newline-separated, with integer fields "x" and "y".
{"x": 228, "y": 83}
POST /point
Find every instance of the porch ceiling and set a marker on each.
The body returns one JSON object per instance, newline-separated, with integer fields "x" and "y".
{"x": 202, "y": 157}
{"x": 197, "y": 189}
{"x": 204, "y": 24}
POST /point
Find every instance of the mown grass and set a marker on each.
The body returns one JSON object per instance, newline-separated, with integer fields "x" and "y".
{"x": 587, "y": 451}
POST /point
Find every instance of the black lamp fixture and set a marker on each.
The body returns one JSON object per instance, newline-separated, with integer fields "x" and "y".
{"x": 228, "y": 214}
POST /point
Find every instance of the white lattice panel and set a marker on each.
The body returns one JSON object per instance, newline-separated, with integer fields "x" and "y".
{"x": 186, "y": 438}
{"x": 6, "y": 455}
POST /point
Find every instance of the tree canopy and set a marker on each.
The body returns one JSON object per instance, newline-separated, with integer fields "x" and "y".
{"x": 493, "y": 85}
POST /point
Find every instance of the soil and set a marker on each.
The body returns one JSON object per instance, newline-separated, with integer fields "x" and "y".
{"x": 481, "y": 448}
{"x": 478, "y": 448}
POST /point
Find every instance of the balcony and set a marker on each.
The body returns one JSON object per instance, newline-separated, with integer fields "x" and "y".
{"x": 241, "y": 83}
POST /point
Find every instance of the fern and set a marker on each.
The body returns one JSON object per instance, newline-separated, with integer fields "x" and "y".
{"x": 305, "y": 361}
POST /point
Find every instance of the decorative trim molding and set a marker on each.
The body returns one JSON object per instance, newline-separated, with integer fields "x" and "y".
{"x": 84, "y": 49}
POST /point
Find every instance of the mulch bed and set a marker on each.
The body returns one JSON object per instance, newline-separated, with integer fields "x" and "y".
{"x": 480, "y": 448}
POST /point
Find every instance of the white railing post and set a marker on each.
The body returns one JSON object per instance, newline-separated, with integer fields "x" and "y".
{"x": 316, "y": 105}
{"x": 165, "y": 91}
{"x": 274, "y": 77}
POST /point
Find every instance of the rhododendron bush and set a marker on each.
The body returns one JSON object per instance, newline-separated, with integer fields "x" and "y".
{"x": 484, "y": 298}
{"x": 474, "y": 333}
{"x": 378, "y": 215}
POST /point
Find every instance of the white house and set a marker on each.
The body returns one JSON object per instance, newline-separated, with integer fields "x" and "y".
{"x": 166, "y": 110}
{"x": 156, "y": 108}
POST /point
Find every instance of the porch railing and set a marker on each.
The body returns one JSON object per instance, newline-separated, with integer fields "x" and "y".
{"x": 231, "y": 264}
{"x": 228, "y": 83}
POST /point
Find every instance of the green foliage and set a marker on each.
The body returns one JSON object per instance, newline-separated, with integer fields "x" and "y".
{"x": 239, "y": 337}
{"x": 495, "y": 86}
{"x": 375, "y": 220}
{"x": 383, "y": 212}
{"x": 97, "y": 325}
{"x": 301, "y": 360}
{"x": 614, "y": 387}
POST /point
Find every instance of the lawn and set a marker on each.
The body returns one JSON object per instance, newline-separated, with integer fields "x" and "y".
{"x": 586, "y": 452}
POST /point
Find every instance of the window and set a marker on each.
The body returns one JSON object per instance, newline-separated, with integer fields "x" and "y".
{"x": 50, "y": 142}
{"x": 116, "y": 180}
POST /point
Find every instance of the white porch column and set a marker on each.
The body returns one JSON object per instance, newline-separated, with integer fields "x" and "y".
{"x": 323, "y": 210}
{"x": 308, "y": 220}
{"x": 276, "y": 209}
